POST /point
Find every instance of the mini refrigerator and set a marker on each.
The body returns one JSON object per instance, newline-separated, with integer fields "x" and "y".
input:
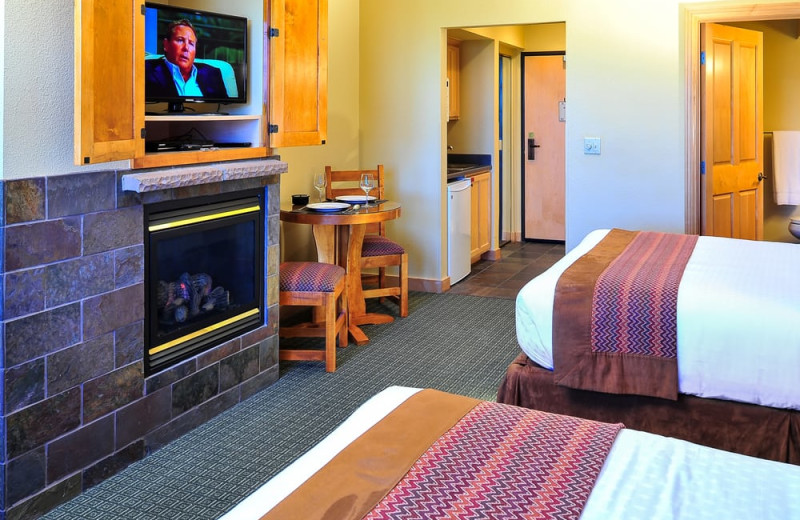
{"x": 459, "y": 196}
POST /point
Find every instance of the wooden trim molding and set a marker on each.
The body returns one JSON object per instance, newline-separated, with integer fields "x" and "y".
{"x": 492, "y": 255}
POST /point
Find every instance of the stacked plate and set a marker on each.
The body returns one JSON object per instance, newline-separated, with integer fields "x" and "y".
{"x": 328, "y": 206}
{"x": 355, "y": 199}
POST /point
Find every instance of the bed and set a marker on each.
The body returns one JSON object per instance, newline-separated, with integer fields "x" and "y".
{"x": 482, "y": 459}
{"x": 737, "y": 355}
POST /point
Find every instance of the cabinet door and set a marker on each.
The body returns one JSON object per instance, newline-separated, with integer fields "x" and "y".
{"x": 105, "y": 120}
{"x": 298, "y": 66}
{"x": 480, "y": 216}
{"x": 454, "y": 81}
{"x": 483, "y": 212}
{"x": 474, "y": 235}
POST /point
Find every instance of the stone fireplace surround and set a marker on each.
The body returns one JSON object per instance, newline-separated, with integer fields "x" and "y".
{"x": 76, "y": 407}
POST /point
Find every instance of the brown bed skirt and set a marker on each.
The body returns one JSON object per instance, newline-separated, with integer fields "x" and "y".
{"x": 767, "y": 433}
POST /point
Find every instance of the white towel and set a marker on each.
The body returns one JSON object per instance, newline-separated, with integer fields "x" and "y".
{"x": 786, "y": 167}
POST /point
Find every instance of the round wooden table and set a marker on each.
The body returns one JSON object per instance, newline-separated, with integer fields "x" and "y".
{"x": 339, "y": 237}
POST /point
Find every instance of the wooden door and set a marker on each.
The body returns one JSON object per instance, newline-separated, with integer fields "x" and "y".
{"x": 298, "y": 72}
{"x": 544, "y": 87}
{"x": 732, "y": 132}
{"x": 106, "y": 69}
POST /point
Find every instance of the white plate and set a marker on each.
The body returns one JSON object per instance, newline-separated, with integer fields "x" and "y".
{"x": 327, "y": 206}
{"x": 354, "y": 198}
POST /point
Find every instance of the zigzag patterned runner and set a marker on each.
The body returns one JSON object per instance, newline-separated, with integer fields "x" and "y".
{"x": 502, "y": 461}
{"x": 634, "y": 305}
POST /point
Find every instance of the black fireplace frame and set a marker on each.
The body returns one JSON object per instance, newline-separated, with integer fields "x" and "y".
{"x": 200, "y": 214}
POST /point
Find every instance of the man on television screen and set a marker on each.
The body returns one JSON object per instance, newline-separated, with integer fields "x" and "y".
{"x": 177, "y": 74}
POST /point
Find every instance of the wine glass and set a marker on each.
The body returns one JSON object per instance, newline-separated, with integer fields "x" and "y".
{"x": 319, "y": 183}
{"x": 367, "y": 183}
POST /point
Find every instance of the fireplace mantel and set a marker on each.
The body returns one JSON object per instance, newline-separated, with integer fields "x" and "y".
{"x": 195, "y": 175}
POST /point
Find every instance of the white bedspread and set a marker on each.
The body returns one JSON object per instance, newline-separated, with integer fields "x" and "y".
{"x": 645, "y": 476}
{"x": 738, "y": 319}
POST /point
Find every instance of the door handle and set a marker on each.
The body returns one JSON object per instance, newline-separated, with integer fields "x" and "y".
{"x": 761, "y": 176}
{"x": 532, "y": 149}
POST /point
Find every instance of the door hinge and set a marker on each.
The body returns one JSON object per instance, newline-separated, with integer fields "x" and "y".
{"x": 702, "y": 167}
{"x": 143, "y": 9}
{"x": 274, "y": 32}
{"x": 273, "y": 129}
{"x": 702, "y": 57}
{"x": 143, "y": 133}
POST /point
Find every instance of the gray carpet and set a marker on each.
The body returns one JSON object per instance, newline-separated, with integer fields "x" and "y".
{"x": 460, "y": 344}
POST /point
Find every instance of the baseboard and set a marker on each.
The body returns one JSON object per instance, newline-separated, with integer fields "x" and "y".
{"x": 492, "y": 255}
{"x": 432, "y": 286}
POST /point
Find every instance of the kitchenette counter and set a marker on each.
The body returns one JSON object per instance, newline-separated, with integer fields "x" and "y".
{"x": 460, "y": 166}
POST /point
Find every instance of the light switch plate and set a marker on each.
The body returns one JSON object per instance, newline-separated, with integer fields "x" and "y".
{"x": 591, "y": 146}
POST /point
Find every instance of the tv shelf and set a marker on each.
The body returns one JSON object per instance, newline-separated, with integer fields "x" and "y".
{"x": 203, "y": 128}
{"x": 160, "y": 159}
{"x": 201, "y": 117}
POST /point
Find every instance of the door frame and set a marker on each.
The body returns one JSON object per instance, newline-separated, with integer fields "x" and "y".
{"x": 507, "y": 138}
{"x": 523, "y": 137}
{"x": 694, "y": 16}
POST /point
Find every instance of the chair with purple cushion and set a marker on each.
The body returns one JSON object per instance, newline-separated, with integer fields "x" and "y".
{"x": 317, "y": 285}
{"x": 378, "y": 251}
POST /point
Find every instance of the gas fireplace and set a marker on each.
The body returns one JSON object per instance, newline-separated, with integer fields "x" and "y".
{"x": 204, "y": 272}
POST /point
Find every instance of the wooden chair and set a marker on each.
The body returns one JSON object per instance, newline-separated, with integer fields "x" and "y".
{"x": 319, "y": 285}
{"x": 378, "y": 251}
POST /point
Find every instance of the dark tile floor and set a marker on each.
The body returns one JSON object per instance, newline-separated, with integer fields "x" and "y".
{"x": 519, "y": 262}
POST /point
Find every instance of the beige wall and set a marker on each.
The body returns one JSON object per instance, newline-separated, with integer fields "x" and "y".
{"x": 474, "y": 131}
{"x": 2, "y": 80}
{"x": 37, "y": 83}
{"x": 545, "y": 37}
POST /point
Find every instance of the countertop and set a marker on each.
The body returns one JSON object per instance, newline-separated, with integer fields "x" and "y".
{"x": 460, "y": 166}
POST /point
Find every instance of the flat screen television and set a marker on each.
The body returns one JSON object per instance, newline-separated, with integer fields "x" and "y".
{"x": 194, "y": 56}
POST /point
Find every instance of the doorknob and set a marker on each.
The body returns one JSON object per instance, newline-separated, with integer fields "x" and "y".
{"x": 761, "y": 176}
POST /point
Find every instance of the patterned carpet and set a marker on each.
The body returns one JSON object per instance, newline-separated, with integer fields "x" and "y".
{"x": 460, "y": 344}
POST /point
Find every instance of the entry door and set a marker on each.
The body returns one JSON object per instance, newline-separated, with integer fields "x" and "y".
{"x": 732, "y": 132}
{"x": 544, "y": 88}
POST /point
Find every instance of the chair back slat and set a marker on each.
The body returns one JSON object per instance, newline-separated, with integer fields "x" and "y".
{"x": 346, "y": 182}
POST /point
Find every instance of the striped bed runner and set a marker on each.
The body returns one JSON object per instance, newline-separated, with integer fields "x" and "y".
{"x": 615, "y": 315}
{"x": 635, "y": 301}
{"x": 440, "y": 455}
{"x": 501, "y": 461}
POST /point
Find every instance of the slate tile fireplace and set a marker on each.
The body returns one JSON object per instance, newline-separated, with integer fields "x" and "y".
{"x": 79, "y": 403}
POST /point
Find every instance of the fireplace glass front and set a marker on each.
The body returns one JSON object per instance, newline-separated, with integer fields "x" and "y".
{"x": 204, "y": 275}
